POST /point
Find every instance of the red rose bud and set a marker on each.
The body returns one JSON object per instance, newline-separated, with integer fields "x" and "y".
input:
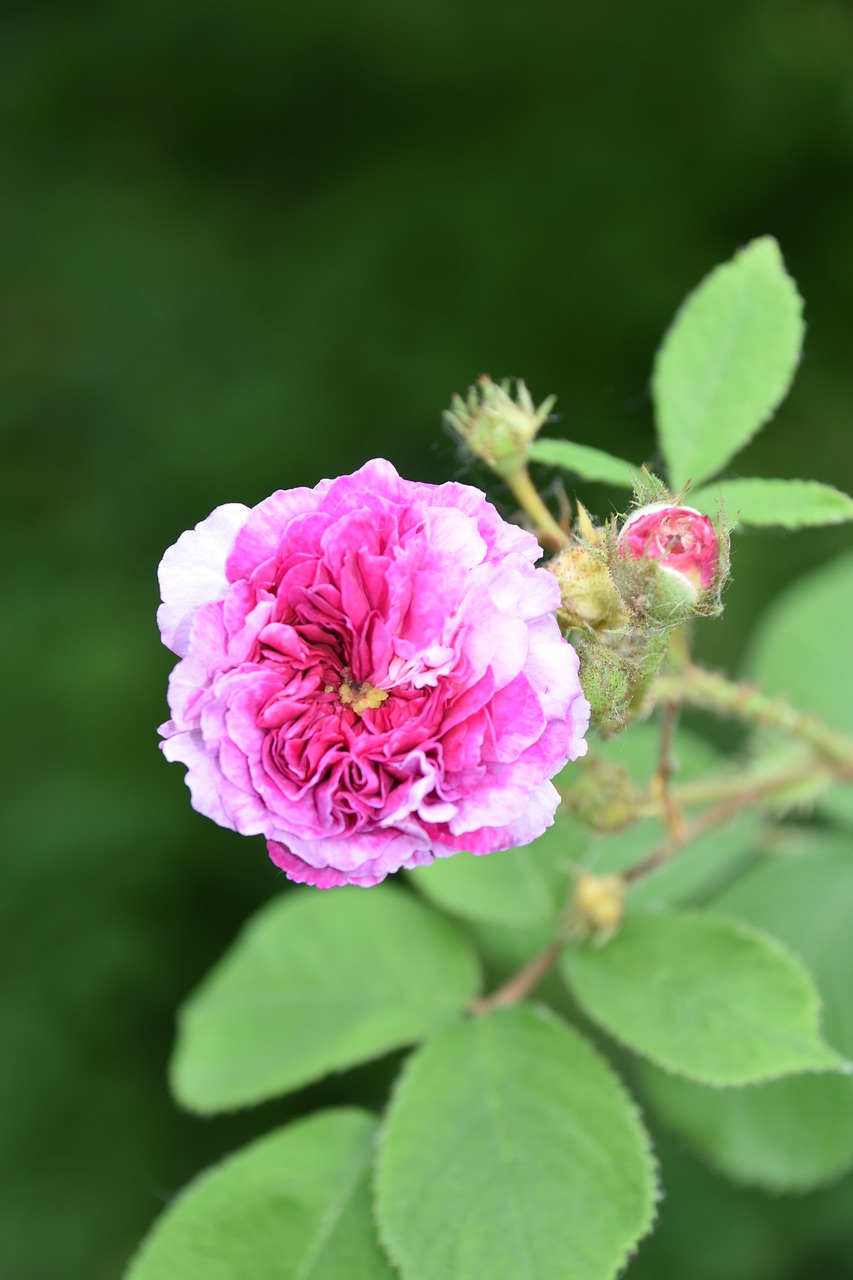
{"x": 680, "y": 539}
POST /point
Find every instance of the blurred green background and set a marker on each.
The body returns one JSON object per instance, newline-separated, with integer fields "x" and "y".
{"x": 247, "y": 246}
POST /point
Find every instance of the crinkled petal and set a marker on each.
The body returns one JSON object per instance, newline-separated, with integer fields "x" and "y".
{"x": 192, "y": 572}
{"x": 372, "y": 676}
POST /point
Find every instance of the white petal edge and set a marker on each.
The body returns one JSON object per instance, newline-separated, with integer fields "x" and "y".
{"x": 192, "y": 572}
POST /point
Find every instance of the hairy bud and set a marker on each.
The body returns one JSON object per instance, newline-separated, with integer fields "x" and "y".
{"x": 497, "y": 426}
{"x": 589, "y": 598}
{"x": 670, "y": 563}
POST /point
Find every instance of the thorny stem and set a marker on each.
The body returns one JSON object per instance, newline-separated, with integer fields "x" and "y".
{"x": 685, "y": 684}
{"x": 526, "y": 493}
{"x": 716, "y": 816}
{"x": 660, "y": 784}
{"x": 733, "y": 795}
{"x": 711, "y": 691}
{"x": 756, "y": 787}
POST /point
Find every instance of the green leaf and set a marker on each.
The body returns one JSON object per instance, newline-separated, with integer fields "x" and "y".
{"x": 789, "y": 1135}
{"x": 315, "y": 983}
{"x": 512, "y": 1152}
{"x": 516, "y": 887}
{"x": 793, "y": 1134}
{"x": 800, "y": 649}
{"x": 584, "y": 461}
{"x": 295, "y": 1205}
{"x": 726, "y": 362}
{"x": 704, "y": 997}
{"x": 788, "y": 504}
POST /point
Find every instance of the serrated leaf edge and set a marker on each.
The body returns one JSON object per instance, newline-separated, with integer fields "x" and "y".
{"x": 216, "y": 1167}
{"x": 707, "y": 1156}
{"x": 547, "y": 1014}
{"x": 706, "y": 492}
{"x": 719, "y": 269}
{"x": 796, "y": 965}
{"x": 267, "y": 1095}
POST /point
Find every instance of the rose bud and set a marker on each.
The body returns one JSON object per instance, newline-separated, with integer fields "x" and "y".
{"x": 681, "y": 539}
{"x": 690, "y": 558}
{"x": 588, "y": 597}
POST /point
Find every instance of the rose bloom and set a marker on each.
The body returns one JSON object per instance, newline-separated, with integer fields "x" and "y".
{"x": 681, "y": 539}
{"x": 371, "y": 675}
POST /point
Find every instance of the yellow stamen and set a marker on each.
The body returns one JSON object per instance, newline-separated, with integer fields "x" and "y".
{"x": 359, "y": 695}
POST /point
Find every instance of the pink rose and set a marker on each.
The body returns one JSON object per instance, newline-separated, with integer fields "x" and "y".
{"x": 680, "y": 539}
{"x": 371, "y": 675}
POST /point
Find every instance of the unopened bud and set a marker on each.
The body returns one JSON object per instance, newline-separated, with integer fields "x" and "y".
{"x": 598, "y": 905}
{"x": 589, "y": 598}
{"x": 496, "y": 426}
{"x": 681, "y": 539}
{"x": 670, "y": 563}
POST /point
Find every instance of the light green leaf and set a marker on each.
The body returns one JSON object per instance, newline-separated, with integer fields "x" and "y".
{"x": 516, "y": 887}
{"x": 318, "y": 982}
{"x": 793, "y": 1134}
{"x": 788, "y": 1135}
{"x": 584, "y": 461}
{"x": 726, "y": 362}
{"x": 705, "y": 997}
{"x": 800, "y": 650}
{"x": 295, "y": 1205}
{"x": 512, "y": 1152}
{"x": 787, "y": 504}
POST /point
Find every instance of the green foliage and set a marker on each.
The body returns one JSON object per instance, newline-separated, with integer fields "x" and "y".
{"x": 509, "y": 1149}
{"x": 318, "y": 982}
{"x": 295, "y": 1205}
{"x": 703, "y": 863}
{"x": 515, "y": 887}
{"x": 801, "y": 649}
{"x": 704, "y": 997}
{"x": 584, "y": 461}
{"x": 726, "y": 362}
{"x": 793, "y": 1134}
{"x": 788, "y": 504}
{"x": 512, "y": 1151}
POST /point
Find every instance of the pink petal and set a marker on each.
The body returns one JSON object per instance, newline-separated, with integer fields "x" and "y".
{"x": 192, "y": 573}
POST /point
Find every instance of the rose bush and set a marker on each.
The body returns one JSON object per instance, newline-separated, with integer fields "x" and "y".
{"x": 371, "y": 675}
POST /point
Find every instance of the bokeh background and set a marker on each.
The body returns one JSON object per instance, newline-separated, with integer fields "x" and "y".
{"x": 247, "y": 246}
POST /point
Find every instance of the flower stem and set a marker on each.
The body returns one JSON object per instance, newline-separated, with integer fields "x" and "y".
{"x": 711, "y": 691}
{"x": 660, "y": 788}
{"x": 716, "y": 816}
{"x": 525, "y": 492}
{"x": 522, "y": 983}
{"x": 734, "y": 796}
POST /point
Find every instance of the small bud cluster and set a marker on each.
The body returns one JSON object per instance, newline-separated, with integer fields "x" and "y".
{"x": 496, "y": 426}
{"x": 627, "y": 585}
